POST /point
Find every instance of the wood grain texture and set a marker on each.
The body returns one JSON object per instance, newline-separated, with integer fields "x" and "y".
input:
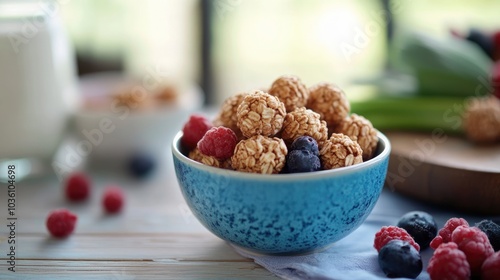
{"x": 134, "y": 270}
{"x": 447, "y": 171}
{"x": 155, "y": 237}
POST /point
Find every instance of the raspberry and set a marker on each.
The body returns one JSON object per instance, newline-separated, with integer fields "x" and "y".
{"x": 388, "y": 233}
{"x": 113, "y": 199}
{"x": 141, "y": 165}
{"x": 194, "y": 130}
{"x": 448, "y": 262}
{"x": 444, "y": 234}
{"x": 492, "y": 230}
{"x": 420, "y": 225}
{"x": 475, "y": 244}
{"x": 61, "y": 222}
{"x": 77, "y": 187}
{"x": 491, "y": 267}
{"x": 218, "y": 142}
{"x": 400, "y": 259}
{"x": 305, "y": 143}
{"x": 302, "y": 161}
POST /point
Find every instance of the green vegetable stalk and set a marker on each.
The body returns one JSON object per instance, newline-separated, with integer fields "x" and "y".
{"x": 417, "y": 113}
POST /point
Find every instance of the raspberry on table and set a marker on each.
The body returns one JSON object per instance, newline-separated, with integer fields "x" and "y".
{"x": 388, "y": 233}
{"x": 492, "y": 230}
{"x": 420, "y": 225}
{"x": 444, "y": 234}
{"x": 61, "y": 222}
{"x": 491, "y": 267}
{"x": 194, "y": 130}
{"x": 448, "y": 262}
{"x": 305, "y": 143}
{"x": 302, "y": 161}
{"x": 77, "y": 187}
{"x": 218, "y": 142}
{"x": 400, "y": 259}
{"x": 113, "y": 199}
{"x": 475, "y": 244}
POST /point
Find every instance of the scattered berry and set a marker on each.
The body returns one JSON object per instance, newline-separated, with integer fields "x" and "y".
{"x": 194, "y": 130}
{"x": 475, "y": 244}
{"x": 448, "y": 262}
{"x": 113, "y": 199}
{"x": 388, "y": 233}
{"x": 305, "y": 143}
{"x": 492, "y": 230}
{"x": 400, "y": 259}
{"x": 218, "y": 142}
{"x": 496, "y": 45}
{"x": 61, "y": 222}
{"x": 491, "y": 267}
{"x": 141, "y": 165}
{"x": 482, "y": 40}
{"x": 302, "y": 161}
{"x": 495, "y": 76}
{"x": 420, "y": 225}
{"x": 444, "y": 234}
{"x": 77, "y": 187}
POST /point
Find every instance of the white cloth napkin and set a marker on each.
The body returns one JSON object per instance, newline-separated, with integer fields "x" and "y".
{"x": 351, "y": 258}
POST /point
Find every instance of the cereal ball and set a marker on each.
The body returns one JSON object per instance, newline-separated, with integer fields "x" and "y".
{"x": 291, "y": 91}
{"x": 481, "y": 120}
{"x": 260, "y": 114}
{"x": 360, "y": 130}
{"x": 304, "y": 122}
{"x": 340, "y": 151}
{"x": 198, "y": 156}
{"x": 260, "y": 154}
{"x": 133, "y": 98}
{"x": 330, "y": 102}
{"x": 228, "y": 112}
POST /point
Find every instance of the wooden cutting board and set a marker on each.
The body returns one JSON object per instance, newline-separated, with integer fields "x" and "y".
{"x": 445, "y": 170}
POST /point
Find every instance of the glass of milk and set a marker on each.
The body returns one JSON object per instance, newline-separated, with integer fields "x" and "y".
{"x": 37, "y": 84}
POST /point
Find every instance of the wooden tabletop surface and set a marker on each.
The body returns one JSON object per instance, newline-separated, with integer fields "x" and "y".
{"x": 155, "y": 237}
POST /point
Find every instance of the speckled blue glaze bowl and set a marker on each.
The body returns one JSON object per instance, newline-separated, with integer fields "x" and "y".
{"x": 281, "y": 213}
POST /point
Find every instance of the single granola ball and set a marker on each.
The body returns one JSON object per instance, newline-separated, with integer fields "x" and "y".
{"x": 481, "y": 120}
{"x": 304, "y": 122}
{"x": 228, "y": 112}
{"x": 260, "y": 114}
{"x": 133, "y": 98}
{"x": 340, "y": 151}
{"x": 330, "y": 102}
{"x": 260, "y": 154}
{"x": 360, "y": 130}
{"x": 291, "y": 91}
{"x": 198, "y": 156}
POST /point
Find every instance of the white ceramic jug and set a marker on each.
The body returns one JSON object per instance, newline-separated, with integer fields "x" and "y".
{"x": 37, "y": 80}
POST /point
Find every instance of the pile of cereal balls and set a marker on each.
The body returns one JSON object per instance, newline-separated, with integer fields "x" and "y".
{"x": 289, "y": 129}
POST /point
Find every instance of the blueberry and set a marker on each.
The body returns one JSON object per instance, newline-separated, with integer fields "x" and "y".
{"x": 399, "y": 259}
{"x": 302, "y": 161}
{"x": 141, "y": 165}
{"x": 492, "y": 230}
{"x": 305, "y": 143}
{"x": 420, "y": 225}
{"x": 484, "y": 41}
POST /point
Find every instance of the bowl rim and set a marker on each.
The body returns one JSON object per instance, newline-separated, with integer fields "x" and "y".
{"x": 384, "y": 154}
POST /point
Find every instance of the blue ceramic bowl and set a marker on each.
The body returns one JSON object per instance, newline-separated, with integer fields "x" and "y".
{"x": 281, "y": 213}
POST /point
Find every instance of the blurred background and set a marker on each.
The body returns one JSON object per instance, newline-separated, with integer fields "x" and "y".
{"x": 234, "y": 45}
{"x": 372, "y": 49}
